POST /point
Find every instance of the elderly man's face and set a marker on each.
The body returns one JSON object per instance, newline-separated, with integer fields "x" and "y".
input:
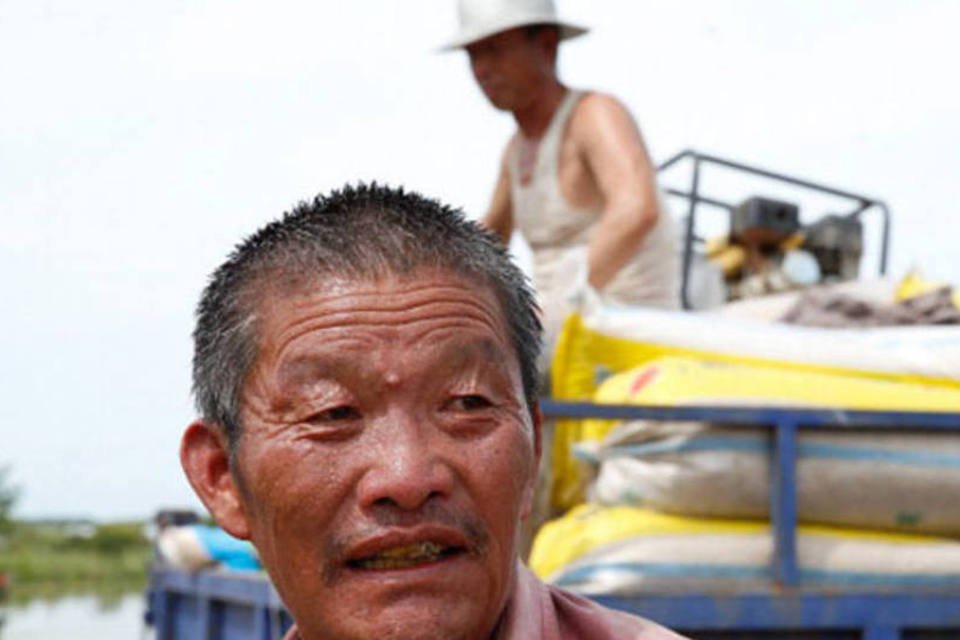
{"x": 387, "y": 457}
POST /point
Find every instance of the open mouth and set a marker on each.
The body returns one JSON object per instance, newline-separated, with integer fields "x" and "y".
{"x": 410, "y": 555}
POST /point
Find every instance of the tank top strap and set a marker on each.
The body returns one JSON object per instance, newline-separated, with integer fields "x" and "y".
{"x": 545, "y": 163}
{"x": 550, "y": 144}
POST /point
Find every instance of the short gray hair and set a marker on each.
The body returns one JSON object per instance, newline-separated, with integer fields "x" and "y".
{"x": 358, "y": 232}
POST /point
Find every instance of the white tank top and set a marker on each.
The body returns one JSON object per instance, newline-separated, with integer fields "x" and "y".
{"x": 553, "y": 229}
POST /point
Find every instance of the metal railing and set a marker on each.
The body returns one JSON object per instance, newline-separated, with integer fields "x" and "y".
{"x": 861, "y": 202}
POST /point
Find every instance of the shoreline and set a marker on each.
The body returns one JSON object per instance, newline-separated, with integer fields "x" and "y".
{"x": 44, "y": 560}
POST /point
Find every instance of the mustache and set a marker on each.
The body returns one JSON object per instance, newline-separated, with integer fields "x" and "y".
{"x": 387, "y": 516}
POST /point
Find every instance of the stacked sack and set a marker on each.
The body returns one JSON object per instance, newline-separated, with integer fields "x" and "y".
{"x": 686, "y": 504}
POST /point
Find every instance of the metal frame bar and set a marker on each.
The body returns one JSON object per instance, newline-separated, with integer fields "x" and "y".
{"x": 759, "y": 416}
{"x": 864, "y": 203}
{"x": 783, "y": 504}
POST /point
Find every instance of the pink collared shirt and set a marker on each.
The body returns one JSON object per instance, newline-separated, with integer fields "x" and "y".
{"x": 537, "y": 611}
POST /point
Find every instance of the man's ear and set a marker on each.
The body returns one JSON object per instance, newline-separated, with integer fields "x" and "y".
{"x": 550, "y": 41}
{"x": 205, "y": 458}
{"x": 536, "y": 416}
{"x": 537, "y": 432}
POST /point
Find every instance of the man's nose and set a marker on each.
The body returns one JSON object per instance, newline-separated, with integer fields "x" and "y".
{"x": 407, "y": 468}
{"x": 480, "y": 66}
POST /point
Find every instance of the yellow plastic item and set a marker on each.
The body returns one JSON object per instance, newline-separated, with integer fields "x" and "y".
{"x": 716, "y": 245}
{"x": 730, "y": 260}
{"x": 913, "y": 285}
{"x": 586, "y": 527}
{"x": 793, "y": 242}
{"x": 729, "y": 257}
{"x": 675, "y": 381}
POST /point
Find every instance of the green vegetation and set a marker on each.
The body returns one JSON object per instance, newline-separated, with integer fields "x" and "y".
{"x": 70, "y": 555}
{"x": 8, "y": 497}
{"x": 49, "y": 557}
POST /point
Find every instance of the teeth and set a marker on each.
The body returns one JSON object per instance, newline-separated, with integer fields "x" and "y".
{"x": 406, "y": 556}
{"x": 412, "y": 550}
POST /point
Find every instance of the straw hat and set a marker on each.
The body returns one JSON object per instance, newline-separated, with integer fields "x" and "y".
{"x": 483, "y": 18}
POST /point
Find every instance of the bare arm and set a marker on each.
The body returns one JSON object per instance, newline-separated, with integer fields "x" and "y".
{"x": 499, "y": 218}
{"x": 614, "y": 151}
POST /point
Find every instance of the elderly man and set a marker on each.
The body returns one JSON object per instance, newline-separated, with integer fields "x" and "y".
{"x": 365, "y": 369}
{"x": 576, "y": 177}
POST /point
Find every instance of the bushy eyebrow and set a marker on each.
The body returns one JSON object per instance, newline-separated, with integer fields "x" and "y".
{"x": 484, "y": 350}
{"x": 309, "y": 367}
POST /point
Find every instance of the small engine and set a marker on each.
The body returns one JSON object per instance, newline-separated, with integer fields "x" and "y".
{"x": 768, "y": 250}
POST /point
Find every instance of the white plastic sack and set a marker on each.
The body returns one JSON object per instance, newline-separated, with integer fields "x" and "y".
{"x": 867, "y": 479}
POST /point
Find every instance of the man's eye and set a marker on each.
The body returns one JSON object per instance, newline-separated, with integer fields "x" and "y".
{"x": 336, "y": 414}
{"x": 470, "y": 403}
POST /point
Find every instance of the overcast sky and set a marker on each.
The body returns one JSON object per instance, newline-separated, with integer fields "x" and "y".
{"x": 139, "y": 141}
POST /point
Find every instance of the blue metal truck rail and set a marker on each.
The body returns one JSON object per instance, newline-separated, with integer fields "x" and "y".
{"x": 236, "y": 606}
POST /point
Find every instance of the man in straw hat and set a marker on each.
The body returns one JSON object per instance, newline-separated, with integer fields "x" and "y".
{"x": 576, "y": 179}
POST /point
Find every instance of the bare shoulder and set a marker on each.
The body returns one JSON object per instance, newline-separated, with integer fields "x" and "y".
{"x": 596, "y": 108}
{"x": 597, "y": 102}
{"x": 602, "y": 116}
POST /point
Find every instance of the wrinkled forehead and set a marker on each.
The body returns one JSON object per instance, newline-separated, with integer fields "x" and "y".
{"x": 356, "y": 297}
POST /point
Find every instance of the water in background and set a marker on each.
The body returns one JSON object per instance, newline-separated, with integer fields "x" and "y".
{"x": 75, "y": 617}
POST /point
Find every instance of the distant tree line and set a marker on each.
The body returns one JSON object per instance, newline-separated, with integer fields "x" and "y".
{"x": 8, "y": 497}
